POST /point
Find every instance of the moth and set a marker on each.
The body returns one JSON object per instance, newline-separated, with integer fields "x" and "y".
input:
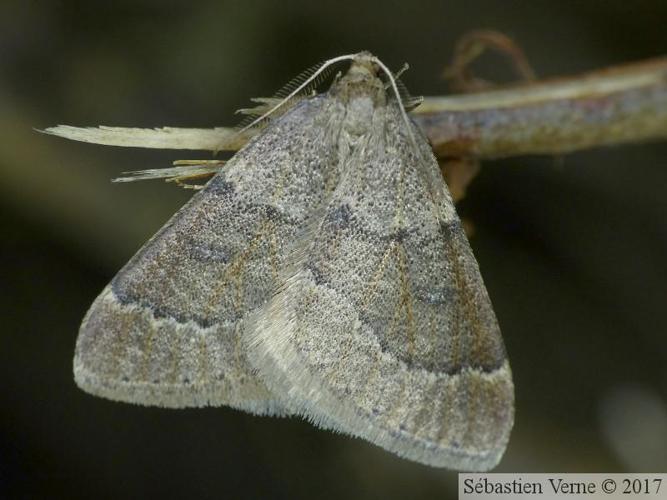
{"x": 323, "y": 272}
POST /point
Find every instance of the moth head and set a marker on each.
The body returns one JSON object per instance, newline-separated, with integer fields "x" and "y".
{"x": 361, "y": 80}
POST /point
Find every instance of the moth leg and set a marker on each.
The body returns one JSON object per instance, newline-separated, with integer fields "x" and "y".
{"x": 181, "y": 181}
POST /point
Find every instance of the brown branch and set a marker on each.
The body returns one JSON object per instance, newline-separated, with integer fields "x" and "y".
{"x": 618, "y": 105}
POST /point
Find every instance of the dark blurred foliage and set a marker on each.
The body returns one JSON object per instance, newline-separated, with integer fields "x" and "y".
{"x": 572, "y": 249}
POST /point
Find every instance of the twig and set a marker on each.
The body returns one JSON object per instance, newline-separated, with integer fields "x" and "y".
{"x": 618, "y": 105}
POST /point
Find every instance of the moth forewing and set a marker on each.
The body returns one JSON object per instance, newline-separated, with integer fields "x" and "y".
{"x": 383, "y": 327}
{"x": 167, "y": 330}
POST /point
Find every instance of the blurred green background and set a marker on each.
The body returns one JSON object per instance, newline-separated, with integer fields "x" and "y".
{"x": 572, "y": 249}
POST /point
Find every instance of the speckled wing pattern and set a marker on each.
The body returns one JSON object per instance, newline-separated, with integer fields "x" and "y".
{"x": 167, "y": 329}
{"x": 323, "y": 273}
{"x": 383, "y": 327}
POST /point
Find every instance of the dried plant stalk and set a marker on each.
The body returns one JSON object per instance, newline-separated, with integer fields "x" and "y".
{"x": 618, "y": 105}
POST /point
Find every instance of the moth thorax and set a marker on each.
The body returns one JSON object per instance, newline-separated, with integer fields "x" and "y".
{"x": 358, "y": 119}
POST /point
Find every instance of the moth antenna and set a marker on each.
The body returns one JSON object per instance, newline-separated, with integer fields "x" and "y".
{"x": 307, "y": 80}
{"x": 403, "y": 69}
{"x": 437, "y": 187}
{"x": 397, "y": 77}
{"x": 397, "y": 93}
{"x": 409, "y": 101}
{"x": 280, "y": 95}
{"x": 303, "y": 77}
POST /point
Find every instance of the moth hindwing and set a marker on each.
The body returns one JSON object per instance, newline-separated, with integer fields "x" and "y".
{"x": 323, "y": 272}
